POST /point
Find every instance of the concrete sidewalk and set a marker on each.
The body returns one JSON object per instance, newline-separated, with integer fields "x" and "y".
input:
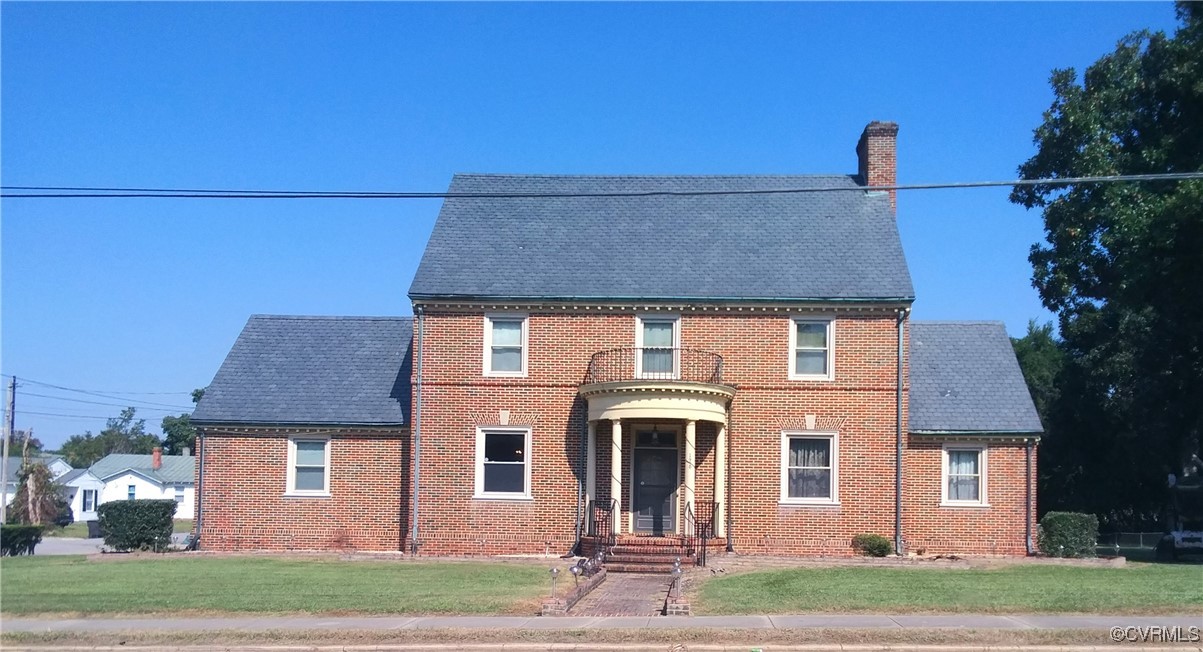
{"x": 384, "y": 623}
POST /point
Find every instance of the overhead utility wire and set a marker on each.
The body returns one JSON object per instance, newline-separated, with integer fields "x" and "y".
{"x": 66, "y": 416}
{"x": 80, "y": 400}
{"x": 63, "y": 192}
{"x": 112, "y": 398}
{"x": 113, "y": 391}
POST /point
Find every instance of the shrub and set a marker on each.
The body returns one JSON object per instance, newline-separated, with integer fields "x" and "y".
{"x": 65, "y": 515}
{"x": 872, "y": 545}
{"x": 1068, "y": 534}
{"x": 136, "y": 524}
{"x": 19, "y": 539}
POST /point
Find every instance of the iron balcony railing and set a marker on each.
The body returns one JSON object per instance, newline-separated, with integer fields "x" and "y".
{"x": 655, "y": 363}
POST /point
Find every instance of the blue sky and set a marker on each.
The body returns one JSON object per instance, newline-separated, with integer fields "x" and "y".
{"x": 121, "y": 296}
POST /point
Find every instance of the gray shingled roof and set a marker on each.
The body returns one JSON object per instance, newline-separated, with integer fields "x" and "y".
{"x": 827, "y": 245}
{"x": 14, "y": 464}
{"x": 176, "y": 469}
{"x": 313, "y": 370}
{"x": 965, "y": 378}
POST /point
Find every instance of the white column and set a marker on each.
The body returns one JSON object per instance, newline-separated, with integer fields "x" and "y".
{"x": 691, "y": 428}
{"x": 720, "y": 480}
{"x": 616, "y": 473}
{"x": 591, "y": 464}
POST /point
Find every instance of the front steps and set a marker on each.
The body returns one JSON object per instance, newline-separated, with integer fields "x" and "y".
{"x": 646, "y": 554}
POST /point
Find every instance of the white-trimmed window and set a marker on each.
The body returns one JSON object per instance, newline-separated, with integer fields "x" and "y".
{"x": 657, "y": 346}
{"x": 89, "y": 499}
{"x": 308, "y": 466}
{"x": 131, "y": 492}
{"x": 505, "y": 345}
{"x": 809, "y": 468}
{"x": 503, "y": 463}
{"x": 179, "y": 494}
{"x": 811, "y": 349}
{"x": 964, "y": 476}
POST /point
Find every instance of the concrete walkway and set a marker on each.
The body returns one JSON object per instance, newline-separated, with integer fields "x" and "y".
{"x": 383, "y": 623}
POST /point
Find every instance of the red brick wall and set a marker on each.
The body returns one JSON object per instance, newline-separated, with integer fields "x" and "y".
{"x": 457, "y": 399}
{"x": 243, "y": 506}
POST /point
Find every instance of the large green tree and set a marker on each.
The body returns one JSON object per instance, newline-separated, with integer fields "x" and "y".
{"x": 178, "y": 432}
{"x": 1122, "y": 267}
{"x": 123, "y": 434}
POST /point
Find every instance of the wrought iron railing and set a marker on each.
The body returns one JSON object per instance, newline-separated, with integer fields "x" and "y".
{"x": 601, "y": 524}
{"x": 655, "y": 363}
{"x": 699, "y": 529}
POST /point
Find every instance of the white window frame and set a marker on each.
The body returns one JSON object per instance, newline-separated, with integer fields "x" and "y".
{"x": 84, "y": 499}
{"x": 179, "y": 495}
{"x": 479, "y": 488}
{"x": 131, "y": 492}
{"x": 676, "y": 345}
{"x": 834, "y": 443}
{"x": 793, "y": 347}
{"x": 981, "y": 467}
{"x": 290, "y": 472}
{"x": 488, "y": 343}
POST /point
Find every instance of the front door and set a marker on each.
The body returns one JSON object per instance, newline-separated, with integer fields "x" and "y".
{"x": 655, "y": 488}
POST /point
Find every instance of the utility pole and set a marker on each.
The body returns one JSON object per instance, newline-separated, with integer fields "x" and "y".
{"x": 8, "y": 435}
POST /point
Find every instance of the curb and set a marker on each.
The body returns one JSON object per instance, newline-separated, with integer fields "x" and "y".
{"x": 623, "y": 647}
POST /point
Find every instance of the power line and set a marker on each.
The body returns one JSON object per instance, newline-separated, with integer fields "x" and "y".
{"x": 113, "y": 391}
{"x": 80, "y": 400}
{"x": 65, "y": 416}
{"x": 112, "y": 398}
{"x": 69, "y": 192}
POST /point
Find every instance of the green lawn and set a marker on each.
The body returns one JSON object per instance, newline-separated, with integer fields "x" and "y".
{"x": 1135, "y": 588}
{"x": 79, "y": 529}
{"x": 177, "y": 583}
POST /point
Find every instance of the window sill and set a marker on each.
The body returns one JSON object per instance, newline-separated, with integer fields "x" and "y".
{"x": 808, "y": 503}
{"x": 315, "y": 494}
{"x": 947, "y": 503}
{"x": 512, "y": 497}
{"x": 504, "y": 374}
{"x": 812, "y": 379}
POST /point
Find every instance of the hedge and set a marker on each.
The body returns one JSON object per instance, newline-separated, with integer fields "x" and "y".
{"x": 19, "y": 539}
{"x": 872, "y": 545}
{"x": 1068, "y": 534}
{"x": 136, "y": 524}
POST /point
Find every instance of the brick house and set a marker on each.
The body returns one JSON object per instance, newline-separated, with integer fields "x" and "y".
{"x": 640, "y": 361}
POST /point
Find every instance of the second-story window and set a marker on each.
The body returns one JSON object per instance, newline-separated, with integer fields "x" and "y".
{"x": 812, "y": 349}
{"x": 656, "y": 342}
{"x": 505, "y": 345}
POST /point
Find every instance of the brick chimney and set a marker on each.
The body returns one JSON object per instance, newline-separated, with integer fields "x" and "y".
{"x": 877, "y": 157}
{"x": 156, "y": 458}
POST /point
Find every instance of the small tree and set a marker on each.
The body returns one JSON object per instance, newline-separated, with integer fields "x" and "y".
{"x": 37, "y": 501}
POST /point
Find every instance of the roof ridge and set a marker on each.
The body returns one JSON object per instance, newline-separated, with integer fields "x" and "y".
{"x": 958, "y": 322}
{"x": 333, "y": 317}
{"x": 519, "y": 175}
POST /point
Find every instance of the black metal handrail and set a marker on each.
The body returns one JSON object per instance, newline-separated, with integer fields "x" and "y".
{"x": 655, "y": 363}
{"x": 699, "y": 529}
{"x": 601, "y": 523}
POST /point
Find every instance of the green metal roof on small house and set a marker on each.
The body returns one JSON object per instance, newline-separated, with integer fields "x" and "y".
{"x": 176, "y": 469}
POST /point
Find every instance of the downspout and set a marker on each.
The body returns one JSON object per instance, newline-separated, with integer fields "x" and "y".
{"x": 727, "y": 486}
{"x": 580, "y": 486}
{"x": 1027, "y": 503}
{"x": 200, "y": 483}
{"x": 417, "y": 430}
{"x": 898, "y": 443}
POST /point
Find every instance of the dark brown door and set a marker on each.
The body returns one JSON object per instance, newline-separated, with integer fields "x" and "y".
{"x": 655, "y": 490}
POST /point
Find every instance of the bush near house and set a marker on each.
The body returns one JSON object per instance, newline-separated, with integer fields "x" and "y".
{"x": 872, "y": 545}
{"x": 137, "y": 524}
{"x": 19, "y": 539}
{"x": 1068, "y": 534}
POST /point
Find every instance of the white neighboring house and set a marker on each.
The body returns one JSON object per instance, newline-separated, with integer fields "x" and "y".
{"x": 155, "y": 476}
{"x": 82, "y": 490}
{"x": 58, "y": 469}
